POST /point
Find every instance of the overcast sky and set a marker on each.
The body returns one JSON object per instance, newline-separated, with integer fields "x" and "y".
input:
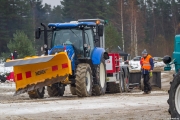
{"x": 52, "y": 2}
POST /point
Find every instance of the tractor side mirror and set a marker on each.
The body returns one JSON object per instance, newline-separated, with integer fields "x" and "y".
{"x": 38, "y": 33}
{"x": 100, "y": 30}
{"x": 106, "y": 55}
{"x": 167, "y": 59}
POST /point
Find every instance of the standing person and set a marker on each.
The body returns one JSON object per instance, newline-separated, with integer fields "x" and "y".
{"x": 147, "y": 66}
{"x": 15, "y": 54}
{"x": 11, "y": 56}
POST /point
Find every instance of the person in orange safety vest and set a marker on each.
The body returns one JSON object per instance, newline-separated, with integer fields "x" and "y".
{"x": 147, "y": 66}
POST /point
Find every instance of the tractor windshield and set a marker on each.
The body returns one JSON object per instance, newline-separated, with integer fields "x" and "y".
{"x": 67, "y": 36}
{"x": 74, "y": 37}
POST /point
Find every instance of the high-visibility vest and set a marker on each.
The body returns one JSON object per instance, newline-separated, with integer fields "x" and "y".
{"x": 145, "y": 63}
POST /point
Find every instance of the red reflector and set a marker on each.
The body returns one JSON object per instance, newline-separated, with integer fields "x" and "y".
{"x": 28, "y": 74}
{"x": 65, "y": 65}
{"x": 19, "y": 76}
{"x": 54, "y": 68}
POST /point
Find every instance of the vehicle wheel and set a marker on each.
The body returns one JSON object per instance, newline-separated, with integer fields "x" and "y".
{"x": 55, "y": 90}
{"x": 115, "y": 87}
{"x": 142, "y": 84}
{"x": 83, "y": 80}
{"x": 126, "y": 81}
{"x": 38, "y": 93}
{"x": 2, "y": 78}
{"x": 174, "y": 97}
{"x": 101, "y": 79}
{"x": 122, "y": 81}
{"x": 73, "y": 90}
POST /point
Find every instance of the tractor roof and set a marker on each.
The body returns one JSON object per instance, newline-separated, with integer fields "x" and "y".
{"x": 73, "y": 24}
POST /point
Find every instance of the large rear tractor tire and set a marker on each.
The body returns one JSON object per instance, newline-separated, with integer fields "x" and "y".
{"x": 174, "y": 97}
{"x": 73, "y": 90}
{"x": 56, "y": 90}
{"x": 38, "y": 93}
{"x": 101, "y": 75}
{"x": 83, "y": 80}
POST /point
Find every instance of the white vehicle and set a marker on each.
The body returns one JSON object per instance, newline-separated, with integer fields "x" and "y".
{"x": 135, "y": 63}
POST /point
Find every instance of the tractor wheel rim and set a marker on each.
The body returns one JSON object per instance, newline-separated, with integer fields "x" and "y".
{"x": 88, "y": 81}
{"x": 102, "y": 75}
{"x": 177, "y": 99}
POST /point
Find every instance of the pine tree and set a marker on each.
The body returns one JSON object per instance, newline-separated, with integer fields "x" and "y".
{"x": 113, "y": 38}
{"x": 21, "y": 44}
{"x": 84, "y": 9}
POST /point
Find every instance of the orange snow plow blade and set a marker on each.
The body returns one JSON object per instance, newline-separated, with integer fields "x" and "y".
{"x": 36, "y": 72}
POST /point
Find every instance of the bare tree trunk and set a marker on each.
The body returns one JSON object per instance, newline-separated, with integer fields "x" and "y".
{"x": 154, "y": 27}
{"x": 174, "y": 20}
{"x": 34, "y": 19}
{"x": 122, "y": 27}
{"x": 135, "y": 38}
{"x": 132, "y": 39}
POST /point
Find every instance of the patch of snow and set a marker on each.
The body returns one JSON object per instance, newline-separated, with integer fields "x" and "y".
{"x": 159, "y": 64}
{"x": 135, "y": 65}
{"x": 5, "y": 69}
{"x": 9, "y": 85}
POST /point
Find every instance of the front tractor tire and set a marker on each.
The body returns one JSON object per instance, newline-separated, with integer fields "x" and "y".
{"x": 56, "y": 90}
{"x": 38, "y": 93}
{"x": 101, "y": 76}
{"x": 83, "y": 80}
{"x": 174, "y": 97}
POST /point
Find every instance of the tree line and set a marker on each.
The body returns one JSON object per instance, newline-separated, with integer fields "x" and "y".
{"x": 133, "y": 25}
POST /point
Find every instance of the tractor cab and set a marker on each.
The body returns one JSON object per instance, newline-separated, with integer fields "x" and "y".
{"x": 84, "y": 35}
{"x": 68, "y": 36}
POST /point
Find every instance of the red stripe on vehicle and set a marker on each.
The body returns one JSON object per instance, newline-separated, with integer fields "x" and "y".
{"x": 54, "y": 68}
{"x": 28, "y": 74}
{"x": 65, "y": 65}
{"x": 19, "y": 76}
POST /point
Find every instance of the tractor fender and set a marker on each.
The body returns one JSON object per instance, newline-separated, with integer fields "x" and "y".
{"x": 98, "y": 54}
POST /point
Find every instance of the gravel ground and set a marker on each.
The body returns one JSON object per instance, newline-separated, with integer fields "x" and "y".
{"x": 130, "y": 106}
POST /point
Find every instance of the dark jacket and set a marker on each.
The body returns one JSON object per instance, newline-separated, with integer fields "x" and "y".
{"x": 15, "y": 55}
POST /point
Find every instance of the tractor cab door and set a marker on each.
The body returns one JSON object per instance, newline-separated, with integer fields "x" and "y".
{"x": 99, "y": 40}
{"x": 89, "y": 41}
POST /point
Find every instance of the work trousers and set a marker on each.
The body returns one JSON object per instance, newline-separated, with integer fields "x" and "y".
{"x": 147, "y": 86}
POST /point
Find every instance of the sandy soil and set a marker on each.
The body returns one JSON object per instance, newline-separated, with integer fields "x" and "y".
{"x": 130, "y": 106}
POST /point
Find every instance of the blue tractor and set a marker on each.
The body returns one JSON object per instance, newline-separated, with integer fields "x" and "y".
{"x": 83, "y": 40}
{"x": 174, "y": 92}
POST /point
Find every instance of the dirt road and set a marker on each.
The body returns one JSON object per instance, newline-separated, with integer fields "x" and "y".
{"x": 131, "y": 106}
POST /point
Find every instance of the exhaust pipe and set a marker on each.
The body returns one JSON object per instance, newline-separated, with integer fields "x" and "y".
{"x": 45, "y": 39}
